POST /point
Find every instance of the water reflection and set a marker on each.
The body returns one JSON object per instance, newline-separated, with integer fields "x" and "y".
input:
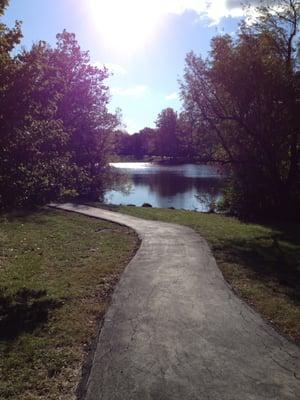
{"x": 187, "y": 186}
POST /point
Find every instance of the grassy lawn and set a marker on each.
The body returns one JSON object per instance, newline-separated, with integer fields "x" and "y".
{"x": 57, "y": 273}
{"x": 262, "y": 263}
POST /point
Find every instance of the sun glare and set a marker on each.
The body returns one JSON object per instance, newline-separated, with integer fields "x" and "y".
{"x": 128, "y": 25}
{"x": 125, "y": 25}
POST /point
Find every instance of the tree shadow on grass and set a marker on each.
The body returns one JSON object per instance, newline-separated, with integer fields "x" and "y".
{"x": 23, "y": 311}
{"x": 269, "y": 258}
{"x": 36, "y": 215}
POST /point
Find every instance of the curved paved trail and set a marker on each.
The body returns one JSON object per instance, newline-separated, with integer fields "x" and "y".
{"x": 176, "y": 331}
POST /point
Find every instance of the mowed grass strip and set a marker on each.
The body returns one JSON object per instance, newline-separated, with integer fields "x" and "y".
{"x": 261, "y": 262}
{"x": 57, "y": 272}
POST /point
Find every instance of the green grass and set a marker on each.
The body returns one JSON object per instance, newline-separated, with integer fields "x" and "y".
{"x": 57, "y": 273}
{"x": 261, "y": 262}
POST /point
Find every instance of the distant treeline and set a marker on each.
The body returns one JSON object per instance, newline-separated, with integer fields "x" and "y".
{"x": 171, "y": 138}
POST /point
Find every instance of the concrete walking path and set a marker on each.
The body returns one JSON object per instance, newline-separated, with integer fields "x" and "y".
{"x": 176, "y": 331}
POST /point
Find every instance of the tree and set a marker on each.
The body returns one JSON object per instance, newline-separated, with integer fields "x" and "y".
{"x": 148, "y": 141}
{"x": 246, "y": 97}
{"x": 55, "y": 128}
{"x": 83, "y": 109}
{"x": 138, "y": 145}
{"x": 9, "y": 38}
{"x": 194, "y": 142}
{"x": 167, "y": 124}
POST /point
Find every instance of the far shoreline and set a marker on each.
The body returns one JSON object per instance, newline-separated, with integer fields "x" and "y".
{"x": 164, "y": 160}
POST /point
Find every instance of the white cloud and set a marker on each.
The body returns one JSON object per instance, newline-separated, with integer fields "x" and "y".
{"x": 213, "y": 9}
{"x": 134, "y": 91}
{"x": 116, "y": 69}
{"x": 172, "y": 96}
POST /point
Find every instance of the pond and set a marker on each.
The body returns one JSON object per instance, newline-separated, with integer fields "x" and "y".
{"x": 184, "y": 186}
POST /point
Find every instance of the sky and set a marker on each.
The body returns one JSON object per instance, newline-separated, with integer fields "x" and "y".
{"x": 143, "y": 43}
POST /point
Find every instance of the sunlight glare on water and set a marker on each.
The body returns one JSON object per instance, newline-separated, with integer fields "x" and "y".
{"x": 131, "y": 165}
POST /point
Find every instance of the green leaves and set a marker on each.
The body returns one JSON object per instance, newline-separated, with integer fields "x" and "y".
{"x": 54, "y": 124}
{"x": 244, "y": 102}
{"x": 167, "y": 127}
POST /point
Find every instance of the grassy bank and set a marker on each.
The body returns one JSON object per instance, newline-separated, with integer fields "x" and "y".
{"x": 261, "y": 262}
{"x": 57, "y": 272}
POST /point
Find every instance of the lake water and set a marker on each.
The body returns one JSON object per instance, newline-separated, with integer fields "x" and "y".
{"x": 185, "y": 186}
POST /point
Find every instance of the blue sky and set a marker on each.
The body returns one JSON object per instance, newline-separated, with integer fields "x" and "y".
{"x": 143, "y": 42}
